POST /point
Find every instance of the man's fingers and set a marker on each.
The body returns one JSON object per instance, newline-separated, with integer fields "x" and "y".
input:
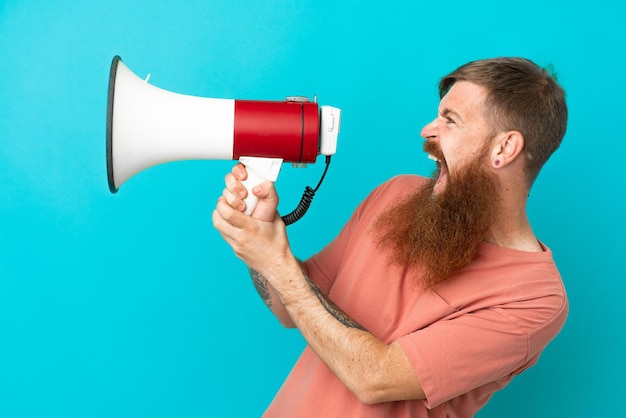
{"x": 220, "y": 223}
{"x": 234, "y": 185}
{"x": 267, "y": 192}
{"x": 239, "y": 171}
{"x": 230, "y": 215}
{"x": 233, "y": 201}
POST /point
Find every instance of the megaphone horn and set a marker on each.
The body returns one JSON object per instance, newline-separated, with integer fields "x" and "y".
{"x": 147, "y": 126}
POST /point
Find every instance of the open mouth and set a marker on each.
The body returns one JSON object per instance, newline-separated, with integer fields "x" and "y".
{"x": 441, "y": 174}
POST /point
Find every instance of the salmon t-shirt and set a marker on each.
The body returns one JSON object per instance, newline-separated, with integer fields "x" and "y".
{"x": 465, "y": 339}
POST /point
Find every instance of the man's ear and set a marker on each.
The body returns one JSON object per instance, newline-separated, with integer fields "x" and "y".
{"x": 506, "y": 148}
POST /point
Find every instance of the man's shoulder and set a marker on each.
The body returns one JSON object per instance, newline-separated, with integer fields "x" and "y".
{"x": 387, "y": 194}
{"x": 408, "y": 179}
{"x": 525, "y": 288}
{"x": 401, "y": 185}
{"x": 394, "y": 190}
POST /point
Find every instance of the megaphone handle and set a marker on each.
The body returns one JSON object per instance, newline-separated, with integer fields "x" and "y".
{"x": 251, "y": 200}
{"x": 259, "y": 169}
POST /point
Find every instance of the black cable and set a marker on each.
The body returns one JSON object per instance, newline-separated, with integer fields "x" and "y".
{"x": 305, "y": 201}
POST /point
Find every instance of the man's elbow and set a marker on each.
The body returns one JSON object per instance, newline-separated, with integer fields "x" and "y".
{"x": 286, "y": 322}
{"x": 370, "y": 397}
{"x": 382, "y": 387}
{"x": 373, "y": 396}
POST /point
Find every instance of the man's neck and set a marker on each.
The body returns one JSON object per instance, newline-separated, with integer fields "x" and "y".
{"x": 511, "y": 228}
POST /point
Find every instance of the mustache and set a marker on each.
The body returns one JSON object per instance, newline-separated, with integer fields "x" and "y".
{"x": 434, "y": 150}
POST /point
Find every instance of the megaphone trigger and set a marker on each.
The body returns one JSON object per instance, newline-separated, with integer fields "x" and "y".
{"x": 259, "y": 169}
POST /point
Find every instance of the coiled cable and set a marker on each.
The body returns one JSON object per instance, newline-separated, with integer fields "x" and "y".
{"x": 305, "y": 201}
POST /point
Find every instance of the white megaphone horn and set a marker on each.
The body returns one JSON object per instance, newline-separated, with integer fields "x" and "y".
{"x": 147, "y": 126}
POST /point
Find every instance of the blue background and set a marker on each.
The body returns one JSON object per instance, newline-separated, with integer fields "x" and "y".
{"x": 131, "y": 305}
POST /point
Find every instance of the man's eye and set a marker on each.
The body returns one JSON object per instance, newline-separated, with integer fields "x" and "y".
{"x": 450, "y": 120}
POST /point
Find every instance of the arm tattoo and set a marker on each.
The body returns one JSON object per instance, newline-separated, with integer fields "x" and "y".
{"x": 260, "y": 284}
{"x": 330, "y": 306}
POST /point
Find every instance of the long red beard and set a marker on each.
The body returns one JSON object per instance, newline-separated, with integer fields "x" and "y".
{"x": 436, "y": 235}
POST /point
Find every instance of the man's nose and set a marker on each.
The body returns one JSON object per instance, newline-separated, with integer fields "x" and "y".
{"x": 429, "y": 132}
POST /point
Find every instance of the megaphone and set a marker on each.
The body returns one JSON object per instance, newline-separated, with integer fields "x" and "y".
{"x": 148, "y": 126}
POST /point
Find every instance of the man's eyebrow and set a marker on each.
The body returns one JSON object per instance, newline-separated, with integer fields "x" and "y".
{"x": 449, "y": 112}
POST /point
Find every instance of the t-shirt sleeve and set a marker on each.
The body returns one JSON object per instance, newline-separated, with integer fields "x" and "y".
{"x": 456, "y": 355}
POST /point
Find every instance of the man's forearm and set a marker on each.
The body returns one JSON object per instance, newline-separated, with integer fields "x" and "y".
{"x": 330, "y": 306}
{"x": 262, "y": 287}
{"x": 270, "y": 298}
{"x": 373, "y": 370}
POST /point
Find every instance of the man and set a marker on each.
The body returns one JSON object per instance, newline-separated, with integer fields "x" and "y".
{"x": 436, "y": 293}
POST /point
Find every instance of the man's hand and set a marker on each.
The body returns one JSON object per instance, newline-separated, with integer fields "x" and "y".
{"x": 259, "y": 240}
{"x": 235, "y": 193}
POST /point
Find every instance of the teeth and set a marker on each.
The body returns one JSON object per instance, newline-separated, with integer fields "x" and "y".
{"x": 432, "y": 157}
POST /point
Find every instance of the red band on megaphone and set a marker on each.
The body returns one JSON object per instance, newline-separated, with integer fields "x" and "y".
{"x": 287, "y": 130}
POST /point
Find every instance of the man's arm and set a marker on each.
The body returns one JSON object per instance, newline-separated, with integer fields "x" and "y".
{"x": 272, "y": 301}
{"x": 374, "y": 371}
{"x": 270, "y": 298}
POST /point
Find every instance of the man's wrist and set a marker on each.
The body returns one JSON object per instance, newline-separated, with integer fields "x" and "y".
{"x": 290, "y": 282}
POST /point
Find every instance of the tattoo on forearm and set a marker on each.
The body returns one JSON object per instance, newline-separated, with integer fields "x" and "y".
{"x": 330, "y": 306}
{"x": 261, "y": 286}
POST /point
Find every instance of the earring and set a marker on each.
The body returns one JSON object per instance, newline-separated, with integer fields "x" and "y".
{"x": 496, "y": 163}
